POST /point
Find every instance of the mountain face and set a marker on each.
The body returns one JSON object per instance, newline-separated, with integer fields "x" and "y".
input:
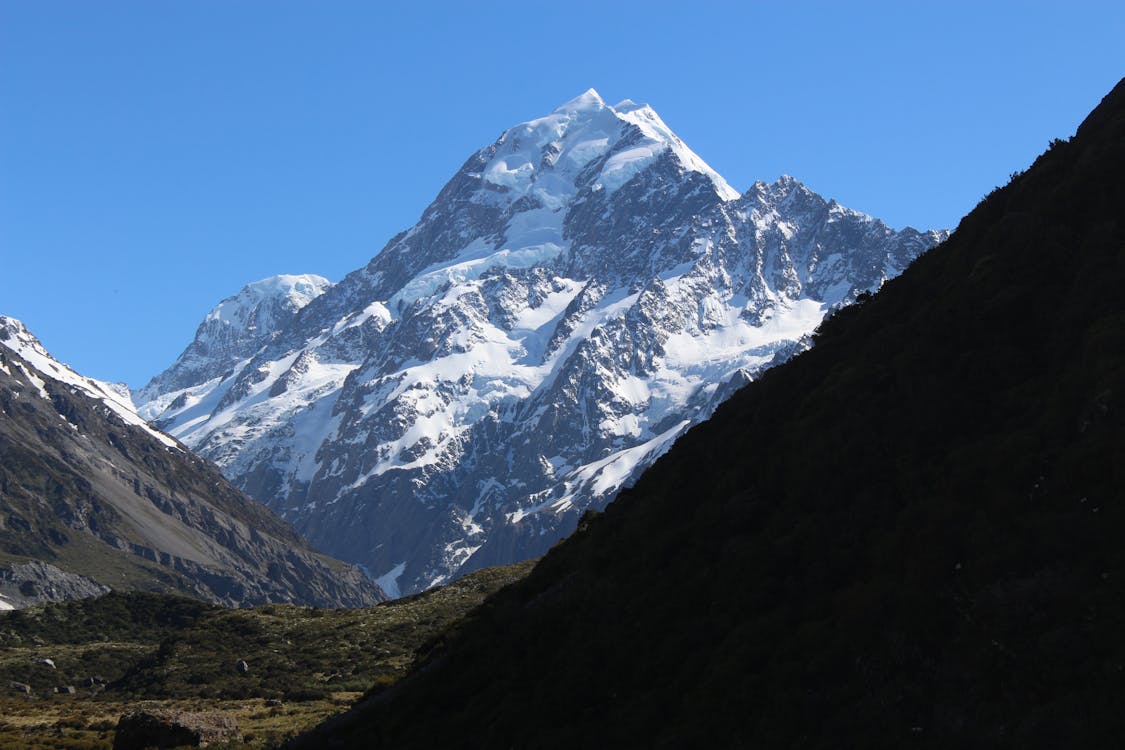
{"x": 580, "y": 293}
{"x": 907, "y": 536}
{"x": 236, "y": 329}
{"x": 93, "y": 498}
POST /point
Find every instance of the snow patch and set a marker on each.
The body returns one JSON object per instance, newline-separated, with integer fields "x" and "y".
{"x": 389, "y": 580}
{"x": 607, "y": 475}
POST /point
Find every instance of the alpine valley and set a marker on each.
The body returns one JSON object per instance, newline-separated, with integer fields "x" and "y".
{"x": 578, "y": 295}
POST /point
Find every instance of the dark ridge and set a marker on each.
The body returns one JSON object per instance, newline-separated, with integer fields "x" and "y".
{"x": 910, "y": 536}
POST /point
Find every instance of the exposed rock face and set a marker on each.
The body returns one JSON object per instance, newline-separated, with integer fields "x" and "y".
{"x": 110, "y": 502}
{"x": 156, "y": 728}
{"x": 579, "y": 294}
{"x": 32, "y": 582}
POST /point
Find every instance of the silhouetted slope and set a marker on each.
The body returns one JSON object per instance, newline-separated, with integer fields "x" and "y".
{"x": 909, "y": 536}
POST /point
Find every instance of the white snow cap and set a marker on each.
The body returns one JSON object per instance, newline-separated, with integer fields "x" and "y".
{"x": 543, "y": 157}
{"x": 587, "y": 100}
{"x": 294, "y": 291}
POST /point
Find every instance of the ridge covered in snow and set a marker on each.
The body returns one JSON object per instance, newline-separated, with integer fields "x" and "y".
{"x": 234, "y": 330}
{"x": 580, "y": 292}
{"x": 115, "y": 396}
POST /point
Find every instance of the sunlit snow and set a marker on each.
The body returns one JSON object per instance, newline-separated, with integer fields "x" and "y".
{"x": 113, "y": 395}
{"x": 389, "y": 580}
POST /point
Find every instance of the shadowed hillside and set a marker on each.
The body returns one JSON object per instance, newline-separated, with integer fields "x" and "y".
{"x": 910, "y": 536}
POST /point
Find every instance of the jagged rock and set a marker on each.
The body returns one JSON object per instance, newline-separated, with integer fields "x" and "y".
{"x": 158, "y": 728}
{"x": 26, "y": 583}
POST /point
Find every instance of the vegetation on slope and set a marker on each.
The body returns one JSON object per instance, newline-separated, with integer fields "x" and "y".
{"x": 125, "y": 648}
{"x": 909, "y": 536}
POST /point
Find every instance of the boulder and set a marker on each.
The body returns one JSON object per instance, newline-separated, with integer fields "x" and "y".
{"x": 149, "y": 728}
{"x": 21, "y": 687}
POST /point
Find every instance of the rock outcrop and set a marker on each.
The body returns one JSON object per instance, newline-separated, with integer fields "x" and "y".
{"x": 158, "y": 728}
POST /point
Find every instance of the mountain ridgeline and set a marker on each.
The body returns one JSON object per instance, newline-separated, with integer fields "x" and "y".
{"x": 907, "y": 536}
{"x": 91, "y": 498}
{"x": 580, "y": 293}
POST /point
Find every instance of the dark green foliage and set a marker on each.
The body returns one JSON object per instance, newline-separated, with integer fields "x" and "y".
{"x": 154, "y": 646}
{"x": 910, "y": 536}
{"x": 117, "y": 616}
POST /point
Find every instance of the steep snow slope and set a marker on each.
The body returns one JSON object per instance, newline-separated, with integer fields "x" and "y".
{"x": 579, "y": 293}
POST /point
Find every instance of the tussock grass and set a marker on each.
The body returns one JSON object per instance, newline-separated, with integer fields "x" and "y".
{"x": 184, "y": 654}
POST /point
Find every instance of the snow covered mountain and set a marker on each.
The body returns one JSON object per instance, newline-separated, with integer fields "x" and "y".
{"x": 114, "y": 396}
{"x": 236, "y": 329}
{"x": 579, "y": 293}
{"x": 92, "y": 498}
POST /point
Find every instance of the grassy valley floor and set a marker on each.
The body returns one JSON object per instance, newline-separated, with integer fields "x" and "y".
{"x": 74, "y": 722}
{"x": 277, "y": 669}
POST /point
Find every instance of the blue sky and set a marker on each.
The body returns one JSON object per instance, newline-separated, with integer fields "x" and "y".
{"x": 156, "y": 156}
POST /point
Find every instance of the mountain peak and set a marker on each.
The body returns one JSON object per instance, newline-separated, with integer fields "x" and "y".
{"x": 235, "y": 329}
{"x": 587, "y": 100}
{"x": 292, "y": 291}
{"x": 620, "y": 141}
{"x": 15, "y": 336}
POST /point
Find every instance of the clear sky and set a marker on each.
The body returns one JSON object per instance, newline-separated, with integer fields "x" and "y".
{"x": 156, "y": 156}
